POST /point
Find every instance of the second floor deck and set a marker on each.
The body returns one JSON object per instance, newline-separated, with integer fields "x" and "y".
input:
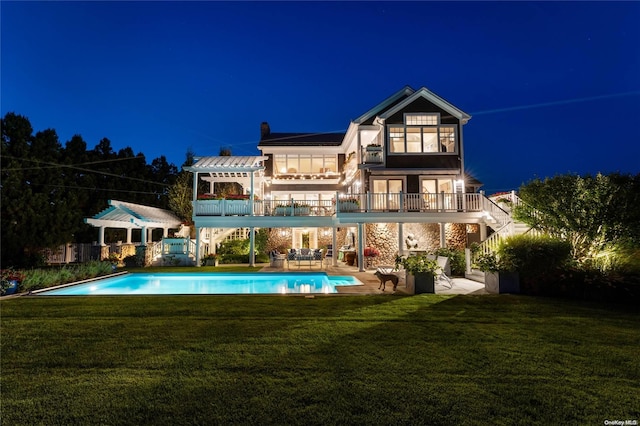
{"x": 358, "y": 207}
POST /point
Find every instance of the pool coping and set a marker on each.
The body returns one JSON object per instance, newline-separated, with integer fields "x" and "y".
{"x": 88, "y": 280}
{"x": 102, "y": 277}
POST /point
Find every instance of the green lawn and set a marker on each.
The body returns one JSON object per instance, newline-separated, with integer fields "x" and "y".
{"x": 254, "y": 360}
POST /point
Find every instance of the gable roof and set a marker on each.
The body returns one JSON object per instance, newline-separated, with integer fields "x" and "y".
{"x": 302, "y": 139}
{"x": 405, "y": 92}
{"x": 431, "y": 97}
{"x": 121, "y": 214}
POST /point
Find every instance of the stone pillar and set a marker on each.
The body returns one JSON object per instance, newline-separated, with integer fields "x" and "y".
{"x": 104, "y": 252}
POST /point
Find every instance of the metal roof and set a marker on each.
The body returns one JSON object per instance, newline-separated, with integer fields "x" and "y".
{"x": 121, "y": 214}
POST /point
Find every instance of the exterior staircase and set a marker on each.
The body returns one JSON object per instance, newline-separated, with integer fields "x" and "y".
{"x": 506, "y": 227}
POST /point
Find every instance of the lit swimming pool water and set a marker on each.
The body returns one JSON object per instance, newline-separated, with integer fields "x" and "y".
{"x": 219, "y": 283}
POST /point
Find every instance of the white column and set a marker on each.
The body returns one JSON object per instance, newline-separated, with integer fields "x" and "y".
{"x": 334, "y": 243}
{"x": 360, "y": 247}
{"x": 129, "y": 231}
{"x": 143, "y": 236}
{"x": 251, "y": 192}
{"x": 197, "y": 253}
{"x": 165, "y": 232}
{"x": 252, "y": 260}
{"x": 443, "y": 240}
{"x": 483, "y": 231}
{"x": 101, "y": 236}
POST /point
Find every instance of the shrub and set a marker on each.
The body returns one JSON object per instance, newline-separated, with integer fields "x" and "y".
{"x": 538, "y": 259}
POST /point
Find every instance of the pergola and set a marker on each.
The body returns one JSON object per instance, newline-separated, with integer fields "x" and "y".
{"x": 248, "y": 171}
{"x": 123, "y": 215}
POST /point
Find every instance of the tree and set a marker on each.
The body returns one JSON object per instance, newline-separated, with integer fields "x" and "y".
{"x": 38, "y": 209}
{"x": 47, "y": 190}
{"x": 592, "y": 212}
{"x": 180, "y": 195}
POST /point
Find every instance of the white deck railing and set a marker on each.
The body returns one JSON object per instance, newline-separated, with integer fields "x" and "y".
{"x": 353, "y": 203}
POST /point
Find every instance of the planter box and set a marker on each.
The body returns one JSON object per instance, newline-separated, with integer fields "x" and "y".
{"x": 211, "y": 262}
{"x": 348, "y": 206}
{"x": 502, "y": 282}
{"x": 420, "y": 283}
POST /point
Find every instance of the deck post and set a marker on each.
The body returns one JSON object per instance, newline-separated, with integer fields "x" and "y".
{"x": 483, "y": 231}
{"x": 400, "y": 239}
{"x": 360, "y": 247}
{"x": 443, "y": 240}
{"x": 101, "y": 235}
{"x": 197, "y": 253}
{"x": 334, "y": 242}
{"x": 252, "y": 241}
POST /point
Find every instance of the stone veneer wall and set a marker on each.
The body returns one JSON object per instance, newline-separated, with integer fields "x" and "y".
{"x": 280, "y": 239}
{"x": 456, "y": 235}
{"x": 427, "y": 234}
{"x": 384, "y": 237}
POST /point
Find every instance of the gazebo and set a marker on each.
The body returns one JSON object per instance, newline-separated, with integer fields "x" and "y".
{"x": 129, "y": 216}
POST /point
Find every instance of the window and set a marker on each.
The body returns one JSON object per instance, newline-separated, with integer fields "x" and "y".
{"x": 396, "y": 139}
{"x": 421, "y": 119}
{"x": 386, "y": 193}
{"x": 304, "y": 164}
{"x": 422, "y": 133}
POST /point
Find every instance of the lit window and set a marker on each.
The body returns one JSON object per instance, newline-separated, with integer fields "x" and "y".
{"x": 304, "y": 164}
{"x": 396, "y": 139}
{"x": 421, "y": 119}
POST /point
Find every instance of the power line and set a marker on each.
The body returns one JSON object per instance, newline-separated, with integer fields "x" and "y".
{"x": 88, "y": 170}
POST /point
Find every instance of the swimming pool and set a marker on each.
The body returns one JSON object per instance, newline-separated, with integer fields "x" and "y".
{"x": 212, "y": 283}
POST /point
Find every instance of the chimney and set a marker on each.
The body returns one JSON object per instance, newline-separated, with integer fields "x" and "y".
{"x": 265, "y": 130}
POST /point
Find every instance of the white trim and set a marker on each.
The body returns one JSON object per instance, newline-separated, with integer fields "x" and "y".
{"x": 405, "y": 91}
{"x": 434, "y": 99}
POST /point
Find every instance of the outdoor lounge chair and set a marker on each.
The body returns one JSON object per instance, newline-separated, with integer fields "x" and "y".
{"x": 441, "y": 274}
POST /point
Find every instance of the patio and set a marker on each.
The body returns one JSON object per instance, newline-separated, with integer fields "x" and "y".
{"x": 371, "y": 282}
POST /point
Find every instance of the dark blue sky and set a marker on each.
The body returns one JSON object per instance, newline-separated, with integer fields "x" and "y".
{"x": 552, "y": 87}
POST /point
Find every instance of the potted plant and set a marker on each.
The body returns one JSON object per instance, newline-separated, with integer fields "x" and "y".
{"x": 10, "y": 281}
{"x": 210, "y": 259}
{"x": 421, "y": 272}
{"x": 500, "y": 274}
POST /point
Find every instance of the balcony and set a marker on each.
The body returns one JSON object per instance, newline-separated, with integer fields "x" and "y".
{"x": 372, "y": 154}
{"x": 353, "y": 203}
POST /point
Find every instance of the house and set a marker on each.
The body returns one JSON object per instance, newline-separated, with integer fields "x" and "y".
{"x": 395, "y": 180}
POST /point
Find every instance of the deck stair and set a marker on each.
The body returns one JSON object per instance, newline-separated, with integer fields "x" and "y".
{"x": 506, "y": 227}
